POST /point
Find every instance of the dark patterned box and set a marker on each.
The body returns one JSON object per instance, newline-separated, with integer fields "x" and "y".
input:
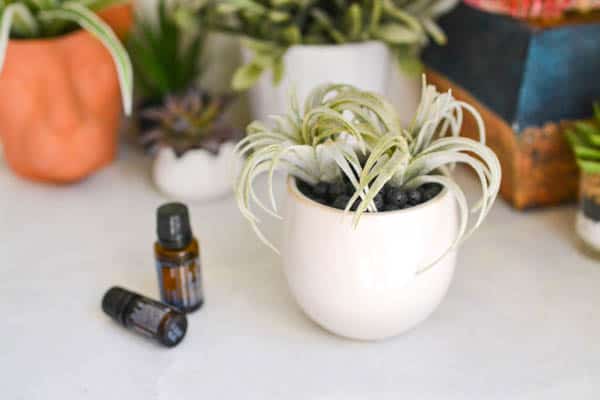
{"x": 529, "y": 80}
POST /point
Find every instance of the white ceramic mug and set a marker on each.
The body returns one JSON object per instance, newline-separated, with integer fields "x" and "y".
{"x": 368, "y": 282}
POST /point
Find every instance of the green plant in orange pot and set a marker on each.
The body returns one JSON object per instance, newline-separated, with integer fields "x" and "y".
{"x": 64, "y": 76}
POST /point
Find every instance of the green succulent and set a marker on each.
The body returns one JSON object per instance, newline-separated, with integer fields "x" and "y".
{"x": 584, "y": 138}
{"x": 166, "y": 53}
{"x": 346, "y": 132}
{"x": 272, "y": 26}
{"x": 28, "y": 19}
{"x": 192, "y": 120}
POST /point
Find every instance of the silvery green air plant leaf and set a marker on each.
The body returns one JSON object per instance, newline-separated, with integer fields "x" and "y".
{"x": 320, "y": 143}
{"x": 434, "y": 147}
{"x": 340, "y": 124}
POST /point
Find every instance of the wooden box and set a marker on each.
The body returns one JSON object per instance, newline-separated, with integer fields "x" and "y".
{"x": 529, "y": 80}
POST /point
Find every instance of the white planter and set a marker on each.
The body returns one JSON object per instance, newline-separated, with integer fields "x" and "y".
{"x": 368, "y": 66}
{"x": 588, "y": 230}
{"x": 368, "y": 283}
{"x": 588, "y": 214}
{"x": 198, "y": 175}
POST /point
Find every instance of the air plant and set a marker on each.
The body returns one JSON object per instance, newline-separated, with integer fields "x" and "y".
{"x": 427, "y": 152}
{"x": 272, "y": 26}
{"x": 346, "y": 133}
{"x": 29, "y": 19}
{"x": 311, "y": 145}
{"x": 193, "y": 120}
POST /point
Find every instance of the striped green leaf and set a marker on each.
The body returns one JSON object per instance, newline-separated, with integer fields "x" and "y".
{"x": 15, "y": 16}
{"x": 73, "y": 11}
{"x": 404, "y": 26}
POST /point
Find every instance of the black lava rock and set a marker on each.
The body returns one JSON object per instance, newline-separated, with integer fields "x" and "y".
{"x": 414, "y": 197}
{"x": 378, "y": 200}
{"x": 389, "y": 207}
{"x": 350, "y": 189}
{"x": 338, "y": 194}
{"x": 341, "y": 202}
{"x": 321, "y": 189}
{"x": 336, "y": 189}
{"x": 396, "y": 197}
{"x": 430, "y": 190}
{"x": 384, "y": 191}
{"x": 304, "y": 188}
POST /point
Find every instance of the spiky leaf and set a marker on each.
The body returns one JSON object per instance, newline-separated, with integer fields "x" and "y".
{"x": 340, "y": 122}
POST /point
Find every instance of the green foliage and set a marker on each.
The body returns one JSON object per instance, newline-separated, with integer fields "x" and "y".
{"x": 192, "y": 120}
{"x": 166, "y": 54}
{"x": 346, "y": 131}
{"x": 584, "y": 138}
{"x": 272, "y": 26}
{"x": 28, "y": 19}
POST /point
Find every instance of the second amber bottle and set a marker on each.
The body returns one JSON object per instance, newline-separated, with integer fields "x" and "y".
{"x": 178, "y": 259}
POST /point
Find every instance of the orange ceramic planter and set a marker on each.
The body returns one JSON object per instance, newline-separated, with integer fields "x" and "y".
{"x": 60, "y": 104}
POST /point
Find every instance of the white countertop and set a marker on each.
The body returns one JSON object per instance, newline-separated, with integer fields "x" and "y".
{"x": 520, "y": 321}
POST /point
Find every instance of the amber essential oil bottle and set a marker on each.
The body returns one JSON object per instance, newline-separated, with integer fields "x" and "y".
{"x": 178, "y": 259}
{"x": 145, "y": 316}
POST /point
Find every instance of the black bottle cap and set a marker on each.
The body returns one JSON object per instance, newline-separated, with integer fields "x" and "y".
{"x": 115, "y": 301}
{"x": 173, "y": 226}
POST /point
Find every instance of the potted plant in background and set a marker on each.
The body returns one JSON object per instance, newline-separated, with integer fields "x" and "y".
{"x": 511, "y": 87}
{"x": 166, "y": 50}
{"x": 306, "y": 43}
{"x": 584, "y": 138}
{"x": 184, "y": 127}
{"x": 60, "y": 109}
{"x": 371, "y": 227}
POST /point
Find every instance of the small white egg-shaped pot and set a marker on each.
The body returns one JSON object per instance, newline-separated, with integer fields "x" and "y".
{"x": 198, "y": 175}
{"x": 368, "y": 65}
{"x": 373, "y": 281}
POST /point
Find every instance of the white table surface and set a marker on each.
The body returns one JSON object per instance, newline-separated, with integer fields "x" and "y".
{"x": 520, "y": 321}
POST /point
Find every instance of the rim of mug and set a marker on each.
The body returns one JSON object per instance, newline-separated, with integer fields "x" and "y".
{"x": 333, "y": 46}
{"x": 292, "y": 188}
